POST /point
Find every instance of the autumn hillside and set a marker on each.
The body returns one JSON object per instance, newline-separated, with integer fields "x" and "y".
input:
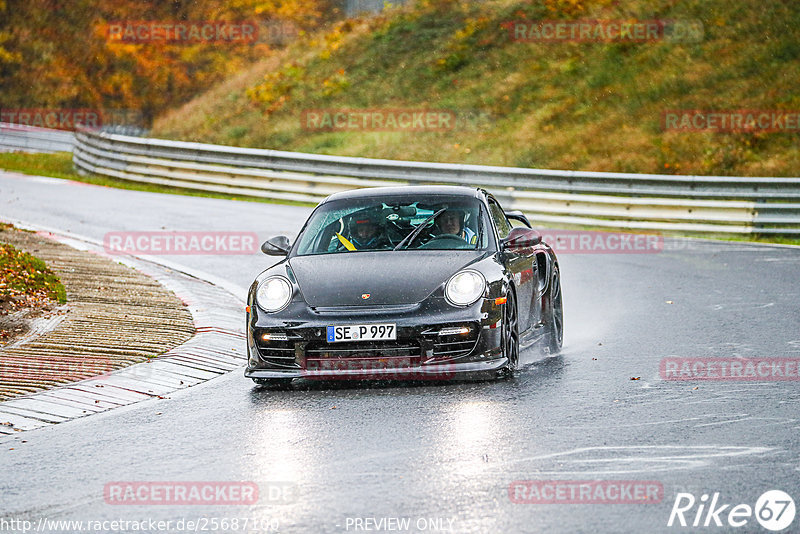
{"x": 570, "y": 105}
{"x": 62, "y": 54}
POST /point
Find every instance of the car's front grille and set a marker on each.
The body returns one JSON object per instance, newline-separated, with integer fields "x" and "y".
{"x": 378, "y": 349}
{"x": 278, "y": 353}
{"x": 455, "y": 346}
{"x": 363, "y": 355}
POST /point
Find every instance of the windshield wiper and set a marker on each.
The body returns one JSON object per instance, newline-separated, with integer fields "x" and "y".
{"x": 410, "y": 237}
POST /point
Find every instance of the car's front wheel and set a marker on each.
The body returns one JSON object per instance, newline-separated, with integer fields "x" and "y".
{"x": 509, "y": 337}
{"x": 554, "y": 337}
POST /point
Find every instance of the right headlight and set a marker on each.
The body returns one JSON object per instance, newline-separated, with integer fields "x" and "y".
{"x": 465, "y": 287}
{"x": 274, "y": 293}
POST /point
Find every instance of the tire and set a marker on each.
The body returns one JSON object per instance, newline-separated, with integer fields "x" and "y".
{"x": 509, "y": 337}
{"x": 554, "y": 336}
{"x": 274, "y": 383}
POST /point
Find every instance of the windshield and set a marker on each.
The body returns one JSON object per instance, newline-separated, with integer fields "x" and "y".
{"x": 371, "y": 224}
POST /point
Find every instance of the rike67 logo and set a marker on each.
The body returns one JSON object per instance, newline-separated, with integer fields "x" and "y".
{"x": 774, "y": 510}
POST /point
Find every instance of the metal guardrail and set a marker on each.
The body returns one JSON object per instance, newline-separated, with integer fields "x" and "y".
{"x": 615, "y": 200}
{"x": 31, "y": 139}
{"x": 718, "y": 204}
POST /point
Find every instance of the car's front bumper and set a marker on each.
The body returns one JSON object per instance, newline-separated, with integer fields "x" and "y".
{"x": 420, "y": 352}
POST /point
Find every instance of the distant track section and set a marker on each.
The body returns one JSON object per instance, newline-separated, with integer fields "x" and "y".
{"x": 15, "y": 137}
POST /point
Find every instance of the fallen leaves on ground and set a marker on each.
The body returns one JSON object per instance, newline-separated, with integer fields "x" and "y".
{"x": 26, "y": 283}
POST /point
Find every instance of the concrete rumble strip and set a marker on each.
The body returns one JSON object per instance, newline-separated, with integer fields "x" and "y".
{"x": 133, "y": 332}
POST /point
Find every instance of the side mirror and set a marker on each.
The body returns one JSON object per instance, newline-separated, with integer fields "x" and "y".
{"x": 276, "y": 246}
{"x": 521, "y": 238}
{"x": 517, "y": 215}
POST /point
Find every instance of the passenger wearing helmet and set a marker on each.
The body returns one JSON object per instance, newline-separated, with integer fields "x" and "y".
{"x": 452, "y": 222}
{"x": 365, "y": 234}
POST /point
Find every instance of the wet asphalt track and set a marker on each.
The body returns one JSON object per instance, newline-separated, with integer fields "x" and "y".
{"x": 446, "y": 453}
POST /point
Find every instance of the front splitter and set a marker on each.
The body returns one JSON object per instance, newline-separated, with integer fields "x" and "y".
{"x": 445, "y": 371}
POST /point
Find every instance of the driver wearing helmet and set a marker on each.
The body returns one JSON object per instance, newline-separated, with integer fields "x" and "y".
{"x": 452, "y": 222}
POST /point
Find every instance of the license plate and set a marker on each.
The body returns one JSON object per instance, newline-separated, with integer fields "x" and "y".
{"x": 362, "y": 332}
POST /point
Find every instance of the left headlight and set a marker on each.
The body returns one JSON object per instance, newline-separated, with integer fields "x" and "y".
{"x": 274, "y": 293}
{"x": 465, "y": 287}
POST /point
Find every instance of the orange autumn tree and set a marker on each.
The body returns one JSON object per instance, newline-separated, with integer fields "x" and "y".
{"x": 58, "y": 54}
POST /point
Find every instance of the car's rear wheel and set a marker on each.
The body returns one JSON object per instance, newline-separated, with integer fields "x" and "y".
{"x": 509, "y": 337}
{"x": 276, "y": 383}
{"x": 555, "y": 315}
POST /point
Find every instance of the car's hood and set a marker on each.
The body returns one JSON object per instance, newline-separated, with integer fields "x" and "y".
{"x": 402, "y": 277}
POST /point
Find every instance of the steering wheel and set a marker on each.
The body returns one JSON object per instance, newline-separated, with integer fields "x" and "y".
{"x": 447, "y": 238}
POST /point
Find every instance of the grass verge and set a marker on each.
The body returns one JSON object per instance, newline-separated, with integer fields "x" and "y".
{"x": 26, "y": 284}
{"x": 25, "y": 275}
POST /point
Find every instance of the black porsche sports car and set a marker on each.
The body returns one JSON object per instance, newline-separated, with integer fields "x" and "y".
{"x": 404, "y": 283}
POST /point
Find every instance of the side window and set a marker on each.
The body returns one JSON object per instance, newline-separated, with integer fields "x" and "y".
{"x": 499, "y": 218}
